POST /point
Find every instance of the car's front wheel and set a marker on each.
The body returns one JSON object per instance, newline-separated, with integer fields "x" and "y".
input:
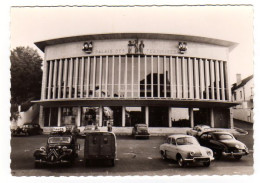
{"x": 181, "y": 162}
{"x": 206, "y": 164}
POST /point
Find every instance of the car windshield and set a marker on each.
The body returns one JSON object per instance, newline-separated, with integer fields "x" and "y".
{"x": 59, "y": 140}
{"x": 224, "y": 136}
{"x": 186, "y": 141}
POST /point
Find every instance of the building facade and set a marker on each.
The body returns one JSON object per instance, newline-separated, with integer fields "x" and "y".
{"x": 129, "y": 78}
{"x": 243, "y": 92}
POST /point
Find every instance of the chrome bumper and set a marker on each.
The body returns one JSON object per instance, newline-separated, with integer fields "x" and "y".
{"x": 52, "y": 163}
{"x": 199, "y": 159}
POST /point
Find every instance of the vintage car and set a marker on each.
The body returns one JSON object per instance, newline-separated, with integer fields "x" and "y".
{"x": 61, "y": 148}
{"x": 140, "y": 131}
{"x": 185, "y": 149}
{"x": 223, "y": 143}
{"x": 198, "y": 130}
{"x": 27, "y": 129}
{"x": 100, "y": 146}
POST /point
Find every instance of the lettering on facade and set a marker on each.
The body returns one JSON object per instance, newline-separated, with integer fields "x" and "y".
{"x": 134, "y": 47}
{"x": 182, "y": 47}
{"x": 87, "y": 47}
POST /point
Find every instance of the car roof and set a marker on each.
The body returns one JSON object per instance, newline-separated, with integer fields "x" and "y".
{"x": 179, "y": 136}
{"x": 202, "y": 126}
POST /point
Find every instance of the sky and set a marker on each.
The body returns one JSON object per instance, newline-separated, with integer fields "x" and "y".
{"x": 232, "y": 23}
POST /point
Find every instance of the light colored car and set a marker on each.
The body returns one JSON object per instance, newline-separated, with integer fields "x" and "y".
{"x": 198, "y": 130}
{"x": 185, "y": 149}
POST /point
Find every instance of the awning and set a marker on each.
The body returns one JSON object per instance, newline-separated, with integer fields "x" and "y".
{"x": 137, "y": 102}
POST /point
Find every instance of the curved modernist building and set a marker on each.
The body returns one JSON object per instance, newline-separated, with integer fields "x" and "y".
{"x": 129, "y": 78}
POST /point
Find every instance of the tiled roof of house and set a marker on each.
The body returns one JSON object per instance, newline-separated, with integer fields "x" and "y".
{"x": 243, "y": 82}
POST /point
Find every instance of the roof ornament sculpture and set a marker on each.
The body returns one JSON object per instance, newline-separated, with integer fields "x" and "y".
{"x": 182, "y": 47}
{"x": 134, "y": 47}
{"x": 87, "y": 47}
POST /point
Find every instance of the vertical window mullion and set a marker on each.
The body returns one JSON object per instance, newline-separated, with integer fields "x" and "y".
{"x": 152, "y": 85}
{"x": 65, "y": 73}
{"x": 106, "y": 90}
{"x": 76, "y": 78}
{"x": 59, "y": 79}
{"x": 132, "y": 79}
{"x": 125, "y": 76}
{"x": 100, "y": 76}
{"x": 54, "y": 79}
{"x": 164, "y": 75}
{"x": 50, "y": 79}
{"x": 222, "y": 81}
{"x": 70, "y": 76}
{"x": 82, "y": 76}
{"x": 158, "y": 76}
{"x": 94, "y": 77}
{"x": 207, "y": 78}
{"x": 119, "y": 77}
{"x": 145, "y": 77}
{"x": 88, "y": 76}
{"x": 113, "y": 75}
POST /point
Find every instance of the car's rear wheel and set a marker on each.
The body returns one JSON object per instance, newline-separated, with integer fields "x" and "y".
{"x": 163, "y": 155}
{"x": 181, "y": 162}
{"x": 206, "y": 164}
{"x": 238, "y": 157}
{"x": 112, "y": 162}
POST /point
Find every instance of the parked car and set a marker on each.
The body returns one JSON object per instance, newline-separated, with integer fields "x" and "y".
{"x": 223, "y": 143}
{"x": 140, "y": 130}
{"x": 61, "y": 148}
{"x": 198, "y": 130}
{"x": 89, "y": 129}
{"x": 100, "y": 146}
{"x": 185, "y": 149}
{"x": 27, "y": 129}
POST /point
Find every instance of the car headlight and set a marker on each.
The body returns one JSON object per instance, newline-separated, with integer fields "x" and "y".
{"x": 209, "y": 153}
{"x": 237, "y": 146}
{"x": 192, "y": 153}
{"x": 42, "y": 148}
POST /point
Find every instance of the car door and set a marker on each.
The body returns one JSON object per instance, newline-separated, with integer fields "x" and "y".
{"x": 174, "y": 149}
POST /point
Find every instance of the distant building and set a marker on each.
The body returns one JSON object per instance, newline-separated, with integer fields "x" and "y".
{"x": 243, "y": 92}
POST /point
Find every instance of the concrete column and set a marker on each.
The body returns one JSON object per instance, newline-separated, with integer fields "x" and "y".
{"x": 191, "y": 117}
{"x": 59, "y": 79}
{"x": 79, "y": 116}
{"x": 123, "y": 116}
{"x": 59, "y": 116}
{"x": 147, "y": 115}
{"x": 212, "y": 117}
{"x": 100, "y": 115}
{"x": 170, "y": 116}
{"x": 50, "y": 79}
{"x": 231, "y": 122}
{"x": 41, "y": 117}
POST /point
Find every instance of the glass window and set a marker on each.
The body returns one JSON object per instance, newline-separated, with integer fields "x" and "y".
{"x": 89, "y": 116}
{"x": 186, "y": 141}
{"x": 68, "y": 115}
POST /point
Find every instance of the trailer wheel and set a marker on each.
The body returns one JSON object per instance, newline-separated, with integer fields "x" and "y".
{"x": 112, "y": 161}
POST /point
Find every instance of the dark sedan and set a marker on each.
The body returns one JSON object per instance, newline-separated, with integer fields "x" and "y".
{"x": 223, "y": 144}
{"x": 27, "y": 129}
{"x": 140, "y": 131}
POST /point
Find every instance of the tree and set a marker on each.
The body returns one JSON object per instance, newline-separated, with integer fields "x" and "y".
{"x": 26, "y": 75}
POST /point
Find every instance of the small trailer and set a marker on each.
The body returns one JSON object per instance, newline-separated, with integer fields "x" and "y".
{"x": 100, "y": 146}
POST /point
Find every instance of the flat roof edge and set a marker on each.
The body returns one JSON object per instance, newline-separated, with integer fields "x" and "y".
{"x": 42, "y": 44}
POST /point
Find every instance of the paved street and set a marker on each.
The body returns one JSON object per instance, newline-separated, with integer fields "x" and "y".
{"x": 134, "y": 157}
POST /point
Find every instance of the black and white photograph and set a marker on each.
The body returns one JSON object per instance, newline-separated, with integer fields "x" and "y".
{"x": 132, "y": 90}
